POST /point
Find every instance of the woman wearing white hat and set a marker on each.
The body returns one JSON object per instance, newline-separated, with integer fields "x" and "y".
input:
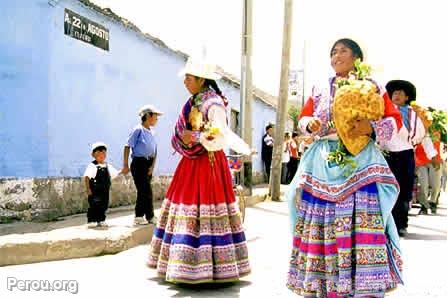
{"x": 199, "y": 237}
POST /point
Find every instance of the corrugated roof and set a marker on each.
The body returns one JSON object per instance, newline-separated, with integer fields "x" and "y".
{"x": 229, "y": 78}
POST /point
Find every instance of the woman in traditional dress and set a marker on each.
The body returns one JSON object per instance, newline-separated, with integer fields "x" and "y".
{"x": 199, "y": 237}
{"x": 345, "y": 241}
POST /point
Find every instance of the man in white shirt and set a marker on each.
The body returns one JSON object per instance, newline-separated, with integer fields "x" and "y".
{"x": 400, "y": 149}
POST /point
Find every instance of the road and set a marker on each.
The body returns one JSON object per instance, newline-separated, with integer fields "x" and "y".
{"x": 269, "y": 240}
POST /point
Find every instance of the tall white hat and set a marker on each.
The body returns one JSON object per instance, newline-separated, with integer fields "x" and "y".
{"x": 200, "y": 68}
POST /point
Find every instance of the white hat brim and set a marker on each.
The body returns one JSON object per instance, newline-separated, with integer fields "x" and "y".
{"x": 141, "y": 114}
{"x": 97, "y": 145}
{"x": 211, "y": 76}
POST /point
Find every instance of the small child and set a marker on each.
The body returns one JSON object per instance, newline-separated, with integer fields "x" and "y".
{"x": 97, "y": 177}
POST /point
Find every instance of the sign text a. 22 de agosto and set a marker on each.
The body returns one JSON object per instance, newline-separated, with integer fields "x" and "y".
{"x": 86, "y": 30}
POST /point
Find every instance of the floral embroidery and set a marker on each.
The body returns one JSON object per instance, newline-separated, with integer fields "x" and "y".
{"x": 337, "y": 193}
{"x": 384, "y": 129}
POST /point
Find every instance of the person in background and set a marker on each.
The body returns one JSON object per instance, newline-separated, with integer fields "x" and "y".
{"x": 267, "y": 150}
{"x": 428, "y": 171}
{"x": 285, "y": 157}
{"x": 144, "y": 152}
{"x": 292, "y": 166}
{"x": 98, "y": 178}
{"x": 400, "y": 149}
{"x": 444, "y": 169}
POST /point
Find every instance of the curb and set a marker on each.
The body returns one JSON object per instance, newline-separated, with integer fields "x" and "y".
{"x": 80, "y": 241}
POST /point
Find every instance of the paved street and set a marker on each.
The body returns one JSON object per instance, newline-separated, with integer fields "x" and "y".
{"x": 269, "y": 244}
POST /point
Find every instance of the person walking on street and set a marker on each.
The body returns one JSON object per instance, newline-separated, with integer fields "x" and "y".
{"x": 400, "y": 149}
{"x": 267, "y": 150}
{"x": 142, "y": 144}
{"x": 428, "y": 171}
{"x": 345, "y": 242}
{"x": 199, "y": 237}
{"x": 285, "y": 158}
{"x": 292, "y": 166}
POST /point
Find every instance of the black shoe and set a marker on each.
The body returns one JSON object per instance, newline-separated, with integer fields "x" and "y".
{"x": 403, "y": 232}
{"x": 423, "y": 211}
{"x": 433, "y": 208}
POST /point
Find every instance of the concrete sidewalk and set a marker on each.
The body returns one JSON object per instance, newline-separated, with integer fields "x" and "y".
{"x": 23, "y": 243}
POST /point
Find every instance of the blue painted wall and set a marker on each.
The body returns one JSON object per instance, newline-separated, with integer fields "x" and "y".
{"x": 58, "y": 94}
{"x": 24, "y": 63}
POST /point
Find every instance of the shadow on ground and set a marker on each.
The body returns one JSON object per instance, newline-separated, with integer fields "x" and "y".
{"x": 232, "y": 289}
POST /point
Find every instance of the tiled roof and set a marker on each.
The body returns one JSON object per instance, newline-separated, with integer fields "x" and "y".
{"x": 229, "y": 78}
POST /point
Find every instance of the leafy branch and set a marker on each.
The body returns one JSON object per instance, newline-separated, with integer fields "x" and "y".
{"x": 438, "y": 129}
{"x": 343, "y": 158}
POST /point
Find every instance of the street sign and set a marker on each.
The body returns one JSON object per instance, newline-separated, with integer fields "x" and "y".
{"x": 85, "y": 30}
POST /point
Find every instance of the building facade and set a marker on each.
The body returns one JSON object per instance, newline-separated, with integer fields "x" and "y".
{"x": 62, "y": 90}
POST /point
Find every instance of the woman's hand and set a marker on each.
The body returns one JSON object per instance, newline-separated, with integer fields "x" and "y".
{"x": 187, "y": 137}
{"x": 314, "y": 125}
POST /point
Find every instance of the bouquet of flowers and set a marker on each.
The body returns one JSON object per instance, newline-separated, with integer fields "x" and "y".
{"x": 198, "y": 124}
{"x": 435, "y": 121}
{"x": 356, "y": 98}
{"x": 423, "y": 114}
{"x": 210, "y": 131}
{"x": 438, "y": 129}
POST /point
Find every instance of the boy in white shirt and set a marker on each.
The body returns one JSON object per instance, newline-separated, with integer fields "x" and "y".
{"x": 97, "y": 178}
{"x": 400, "y": 149}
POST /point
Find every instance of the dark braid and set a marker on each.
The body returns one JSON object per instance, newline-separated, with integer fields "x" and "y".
{"x": 213, "y": 85}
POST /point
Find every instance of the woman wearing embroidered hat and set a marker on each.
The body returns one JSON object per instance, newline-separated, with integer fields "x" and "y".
{"x": 199, "y": 237}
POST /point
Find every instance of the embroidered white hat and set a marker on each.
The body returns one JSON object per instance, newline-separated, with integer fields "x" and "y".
{"x": 149, "y": 109}
{"x": 97, "y": 145}
{"x": 200, "y": 68}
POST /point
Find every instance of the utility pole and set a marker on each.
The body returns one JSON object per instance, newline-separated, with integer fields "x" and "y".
{"x": 281, "y": 114}
{"x": 305, "y": 45}
{"x": 246, "y": 90}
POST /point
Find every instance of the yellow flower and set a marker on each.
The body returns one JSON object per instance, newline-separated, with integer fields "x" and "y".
{"x": 214, "y": 130}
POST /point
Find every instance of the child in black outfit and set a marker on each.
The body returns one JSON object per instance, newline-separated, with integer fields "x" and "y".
{"x": 98, "y": 177}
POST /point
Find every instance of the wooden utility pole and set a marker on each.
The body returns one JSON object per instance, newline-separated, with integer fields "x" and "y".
{"x": 246, "y": 90}
{"x": 281, "y": 115}
{"x": 303, "y": 98}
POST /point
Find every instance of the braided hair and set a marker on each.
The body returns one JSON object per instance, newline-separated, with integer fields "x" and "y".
{"x": 212, "y": 84}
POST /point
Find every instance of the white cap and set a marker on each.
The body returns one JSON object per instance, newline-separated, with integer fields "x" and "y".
{"x": 148, "y": 109}
{"x": 98, "y": 144}
{"x": 201, "y": 69}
